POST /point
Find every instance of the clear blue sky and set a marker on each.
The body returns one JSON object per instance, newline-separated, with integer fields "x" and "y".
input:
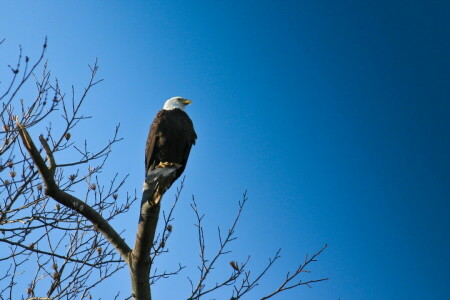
{"x": 334, "y": 115}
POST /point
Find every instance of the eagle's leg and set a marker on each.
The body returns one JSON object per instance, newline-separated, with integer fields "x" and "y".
{"x": 166, "y": 164}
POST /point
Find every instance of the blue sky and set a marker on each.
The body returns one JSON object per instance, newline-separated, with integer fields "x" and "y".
{"x": 333, "y": 115}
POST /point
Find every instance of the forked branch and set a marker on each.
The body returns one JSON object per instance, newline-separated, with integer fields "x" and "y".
{"x": 68, "y": 200}
{"x": 288, "y": 282}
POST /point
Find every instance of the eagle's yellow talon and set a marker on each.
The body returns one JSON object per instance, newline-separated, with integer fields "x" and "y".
{"x": 166, "y": 164}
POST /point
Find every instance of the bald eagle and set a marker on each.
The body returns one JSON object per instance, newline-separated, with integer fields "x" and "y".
{"x": 170, "y": 138}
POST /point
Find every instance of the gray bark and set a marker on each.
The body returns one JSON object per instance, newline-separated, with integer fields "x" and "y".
{"x": 156, "y": 184}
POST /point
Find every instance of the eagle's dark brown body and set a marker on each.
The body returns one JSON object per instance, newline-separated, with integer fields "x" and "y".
{"x": 170, "y": 140}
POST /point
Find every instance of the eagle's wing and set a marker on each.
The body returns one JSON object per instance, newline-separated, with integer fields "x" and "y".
{"x": 152, "y": 144}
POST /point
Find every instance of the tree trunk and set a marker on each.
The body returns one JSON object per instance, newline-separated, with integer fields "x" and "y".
{"x": 156, "y": 184}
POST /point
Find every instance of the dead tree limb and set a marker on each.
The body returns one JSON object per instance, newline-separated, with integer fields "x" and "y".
{"x": 53, "y": 190}
{"x": 156, "y": 184}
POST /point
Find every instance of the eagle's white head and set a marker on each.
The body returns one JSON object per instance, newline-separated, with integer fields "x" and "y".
{"x": 176, "y": 102}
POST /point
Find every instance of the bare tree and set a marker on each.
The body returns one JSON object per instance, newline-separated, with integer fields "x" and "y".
{"x": 55, "y": 215}
{"x": 64, "y": 246}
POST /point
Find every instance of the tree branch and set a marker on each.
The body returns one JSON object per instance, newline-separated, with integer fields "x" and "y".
{"x": 53, "y": 190}
{"x": 32, "y": 249}
{"x": 286, "y": 285}
{"x": 156, "y": 184}
{"x": 208, "y": 265}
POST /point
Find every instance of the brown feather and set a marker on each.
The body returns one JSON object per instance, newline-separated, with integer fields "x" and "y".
{"x": 170, "y": 140}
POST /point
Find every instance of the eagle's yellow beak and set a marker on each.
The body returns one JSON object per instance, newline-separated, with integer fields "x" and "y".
{"x": 187, "y": 101}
